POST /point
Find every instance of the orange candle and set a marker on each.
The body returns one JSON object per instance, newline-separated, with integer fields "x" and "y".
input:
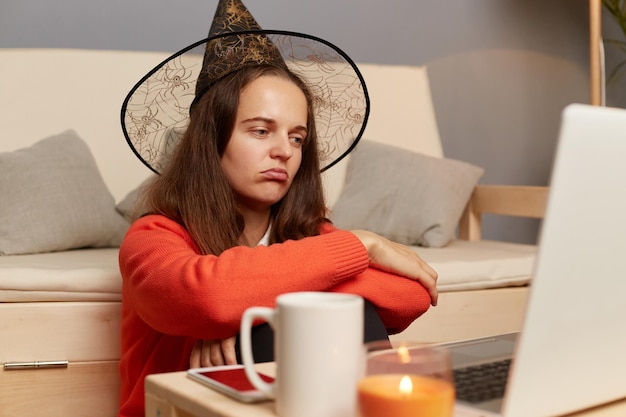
{"x": 397, "y": 395}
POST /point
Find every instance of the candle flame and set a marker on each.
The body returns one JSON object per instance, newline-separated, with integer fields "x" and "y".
{"x": 406, "y": 386}
{"x": 403, "y": 353}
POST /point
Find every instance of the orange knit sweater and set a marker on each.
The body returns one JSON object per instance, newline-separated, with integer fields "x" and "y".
{"x": 172, "y": 296}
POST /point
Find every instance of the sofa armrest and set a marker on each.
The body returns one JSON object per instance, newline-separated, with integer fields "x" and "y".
{"x": 507, "y": 200}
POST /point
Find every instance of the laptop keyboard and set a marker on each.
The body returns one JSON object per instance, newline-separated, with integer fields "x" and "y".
{"x": 475, "y": 384}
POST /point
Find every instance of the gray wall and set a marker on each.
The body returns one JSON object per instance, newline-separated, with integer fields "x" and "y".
{"x": 501, "y": 70}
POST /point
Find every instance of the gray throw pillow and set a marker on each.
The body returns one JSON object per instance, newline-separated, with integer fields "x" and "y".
{"x": 410, "y": 198}
{"x": 131, "y": 207}
{"x": 54, "y": 199}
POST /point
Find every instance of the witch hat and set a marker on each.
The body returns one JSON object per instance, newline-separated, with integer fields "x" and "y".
{"x": 155, "y": 112}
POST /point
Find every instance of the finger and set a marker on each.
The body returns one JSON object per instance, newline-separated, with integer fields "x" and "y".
{"x": 434, "y": 295}
{"x": 194, "y": 359}
{"x": 431, "y": 271}
{"x": 215, "y": 352}
{"x": 228, "y": 350}
{"x": 432, "y": 288}
{"x": 430, "y": 283}
{"x": 403, "y": 261}
{"x": 205, "y": 354}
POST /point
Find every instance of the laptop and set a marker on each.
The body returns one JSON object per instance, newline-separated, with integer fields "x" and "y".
{"x": 571, "y": 351}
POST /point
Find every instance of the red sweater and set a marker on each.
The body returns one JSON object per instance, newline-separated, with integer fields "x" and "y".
{"x": 172, "y": 296}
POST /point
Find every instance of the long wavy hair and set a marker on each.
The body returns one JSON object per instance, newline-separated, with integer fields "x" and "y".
{"x": 194, "y": 191}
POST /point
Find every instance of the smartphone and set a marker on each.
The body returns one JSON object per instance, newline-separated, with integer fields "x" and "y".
{"x": 230, "y": 380}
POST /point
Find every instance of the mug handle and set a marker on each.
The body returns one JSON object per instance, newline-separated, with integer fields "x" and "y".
{"x": 248, "y": 318}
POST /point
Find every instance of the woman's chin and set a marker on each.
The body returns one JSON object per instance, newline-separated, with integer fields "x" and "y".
{"x": 262, "y": 202}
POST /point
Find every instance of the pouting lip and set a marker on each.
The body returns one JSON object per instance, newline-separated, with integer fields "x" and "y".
{"x": 276, "y": 174}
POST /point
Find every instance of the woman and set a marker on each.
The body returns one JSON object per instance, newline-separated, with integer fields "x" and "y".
{"x": 236, "y": 218}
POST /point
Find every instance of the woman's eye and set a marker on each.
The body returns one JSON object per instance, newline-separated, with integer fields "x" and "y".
{"x": 297, "y": 140}
{"x": 260, "y": 132}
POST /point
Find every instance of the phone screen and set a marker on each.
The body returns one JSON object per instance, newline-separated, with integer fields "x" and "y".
{"x": 235, "y": 378}
{"x": 230, "y": 380}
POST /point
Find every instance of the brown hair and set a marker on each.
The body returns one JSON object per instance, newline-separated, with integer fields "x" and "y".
{"x": 193, "y": 190}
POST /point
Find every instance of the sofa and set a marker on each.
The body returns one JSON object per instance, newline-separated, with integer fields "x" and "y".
{"x": 67, "y": 180}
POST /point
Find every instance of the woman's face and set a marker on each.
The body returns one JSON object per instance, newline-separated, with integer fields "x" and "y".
{"x": 265, "y": 149}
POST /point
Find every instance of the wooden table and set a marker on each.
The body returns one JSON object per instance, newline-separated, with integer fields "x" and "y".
{"x": 176, "y": 395}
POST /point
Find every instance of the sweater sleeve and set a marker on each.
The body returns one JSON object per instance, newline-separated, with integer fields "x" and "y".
{"x": 179, "y": 292}
{"x": 398, "y": 300}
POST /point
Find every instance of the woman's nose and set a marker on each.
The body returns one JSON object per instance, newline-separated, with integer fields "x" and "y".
{"x": 281, "y": 147}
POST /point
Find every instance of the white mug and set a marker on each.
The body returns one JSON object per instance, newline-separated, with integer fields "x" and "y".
{"x": 318, "y": 338}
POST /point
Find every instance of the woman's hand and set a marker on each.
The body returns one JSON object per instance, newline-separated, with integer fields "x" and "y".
{"x": 213, "y": 352}
{"x": 398, "y": 259}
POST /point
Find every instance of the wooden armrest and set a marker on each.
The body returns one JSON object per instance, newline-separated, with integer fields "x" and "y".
{"x": 507, "y": 200}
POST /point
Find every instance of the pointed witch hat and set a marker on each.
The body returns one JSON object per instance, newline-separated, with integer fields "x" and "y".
{"x": 155, "y": 113}
{"x": 223, "y": 55}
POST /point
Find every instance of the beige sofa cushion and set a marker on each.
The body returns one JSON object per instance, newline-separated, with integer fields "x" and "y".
{"x": 76, "y": 275}
{"x": 482, "y": 264}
